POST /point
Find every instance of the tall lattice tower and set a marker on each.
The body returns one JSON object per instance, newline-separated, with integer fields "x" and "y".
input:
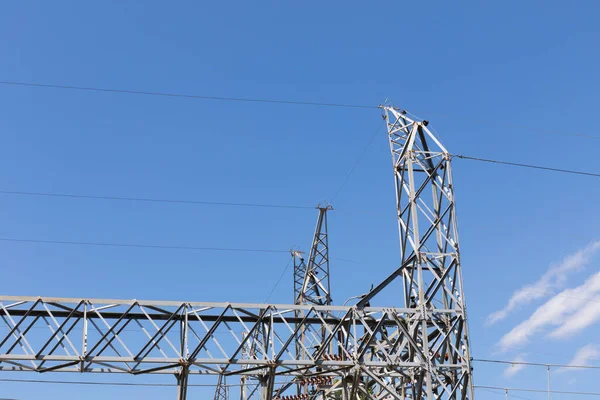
{"x": 312, "y": 287}
{"x": 311, "y": 281}
{"x": 430, "y": 269}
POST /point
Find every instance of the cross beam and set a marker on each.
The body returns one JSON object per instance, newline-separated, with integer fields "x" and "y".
{"x": 356, "y": 347}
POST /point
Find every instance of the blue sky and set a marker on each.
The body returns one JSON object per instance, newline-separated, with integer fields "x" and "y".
{"x": 515, "y": 81}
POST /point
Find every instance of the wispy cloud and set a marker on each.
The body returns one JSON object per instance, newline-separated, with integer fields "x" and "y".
{"x": 514, "y": 368}
{"x": 581, "y": 319}
{"x": 554, "y": 278}
{"x": 582, "y": 357}
{"x": 585, "y": 354}
{"x": 556, "y": 311}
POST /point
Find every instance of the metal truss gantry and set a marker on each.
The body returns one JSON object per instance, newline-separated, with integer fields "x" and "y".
{"x": 371, "y": 348}
{"x": 419, "y": 351}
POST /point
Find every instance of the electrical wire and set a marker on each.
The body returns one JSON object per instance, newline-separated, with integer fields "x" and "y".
{"x": 143, "y": 246}
{"x": 277, "y": 101}
{"x": 357, "y": 161}
{"x": 60, "y": 382}
{"x": 539, "y": 390}
{"x": 567, "y": 171}
{"x": 288, "y": 206}
{"x": 529, "y": 128}
{"x": 95, "y": 383}
{"x": 168, "y": 247}
{"x": 287, "y": 266}
{"x": 505, "y": 393}
{"x": 92, "y": 383}
{"x": 537, "y": 364}
{"x": 151, "y": 200}
{"x": 186, "y": 96}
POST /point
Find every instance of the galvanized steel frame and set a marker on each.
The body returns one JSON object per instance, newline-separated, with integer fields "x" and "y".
{"x": 430, "y": 269}
{"x": 95, "y": 335}
{"x": 417, "y": 352}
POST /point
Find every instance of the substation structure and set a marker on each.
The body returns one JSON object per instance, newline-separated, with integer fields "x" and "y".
{"x": 303, "y": 351}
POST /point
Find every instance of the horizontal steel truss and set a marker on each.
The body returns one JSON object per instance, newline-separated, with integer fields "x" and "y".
{"x": 372, "y": 350}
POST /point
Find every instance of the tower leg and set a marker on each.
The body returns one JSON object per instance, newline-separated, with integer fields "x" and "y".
{"x": 182, "y": 383}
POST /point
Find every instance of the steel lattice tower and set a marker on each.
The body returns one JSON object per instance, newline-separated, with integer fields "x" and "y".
{"x": 312, "y": 285}
{"x": 430, "y": 267}
{"x": 311, "y": 281}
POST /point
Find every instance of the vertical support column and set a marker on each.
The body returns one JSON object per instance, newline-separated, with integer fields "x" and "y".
{"x": 548, "y": 381}
{"x": 243, "y": 388}
{"x": 182, "y": 382}
{"x": 182, "y": 376}
{"x": 267, "y": 382}
{"x": 264, "y": 387}
{"x": 84, "y": 338}
{"x": 222, "y": 392}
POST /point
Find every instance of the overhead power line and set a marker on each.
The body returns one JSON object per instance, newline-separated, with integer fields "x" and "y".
{"x": 143, "y": 246}
{"x": 280, "y": 101}
{"x": 538, "y": 390}
{"x": 567, "y": 171}
{"x": 186, "y": 96}
{"x": 537, "y": 364}
{"x": 160, "y": 246}
{"x": 92, "y": 383}
{"x": 151, "y": 200}
{"x": 287, "y": 266}
{"x": 505, "y": 394}
{"x": 349, "y": 174}
{"x": 262, "y": 205}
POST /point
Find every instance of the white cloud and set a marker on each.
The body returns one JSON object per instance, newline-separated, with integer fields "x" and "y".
{"x": 583, "y": 357}
{"x": 514, "y": 368}
{"x": 556, "y": 311}
{"x": 554, "y": 278}
{"x": 585, "y": 354}
{"x": 581, "y": 319}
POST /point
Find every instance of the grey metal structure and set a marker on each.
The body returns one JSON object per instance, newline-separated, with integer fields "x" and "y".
{"x": 222, "y": 392}
{"x": 312, "y": 287}
{"x": 166, "y": 337}
{"x": 418, "y": 351}
{"x": 311, "y": 281}
{"x": 430, "y": 268}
